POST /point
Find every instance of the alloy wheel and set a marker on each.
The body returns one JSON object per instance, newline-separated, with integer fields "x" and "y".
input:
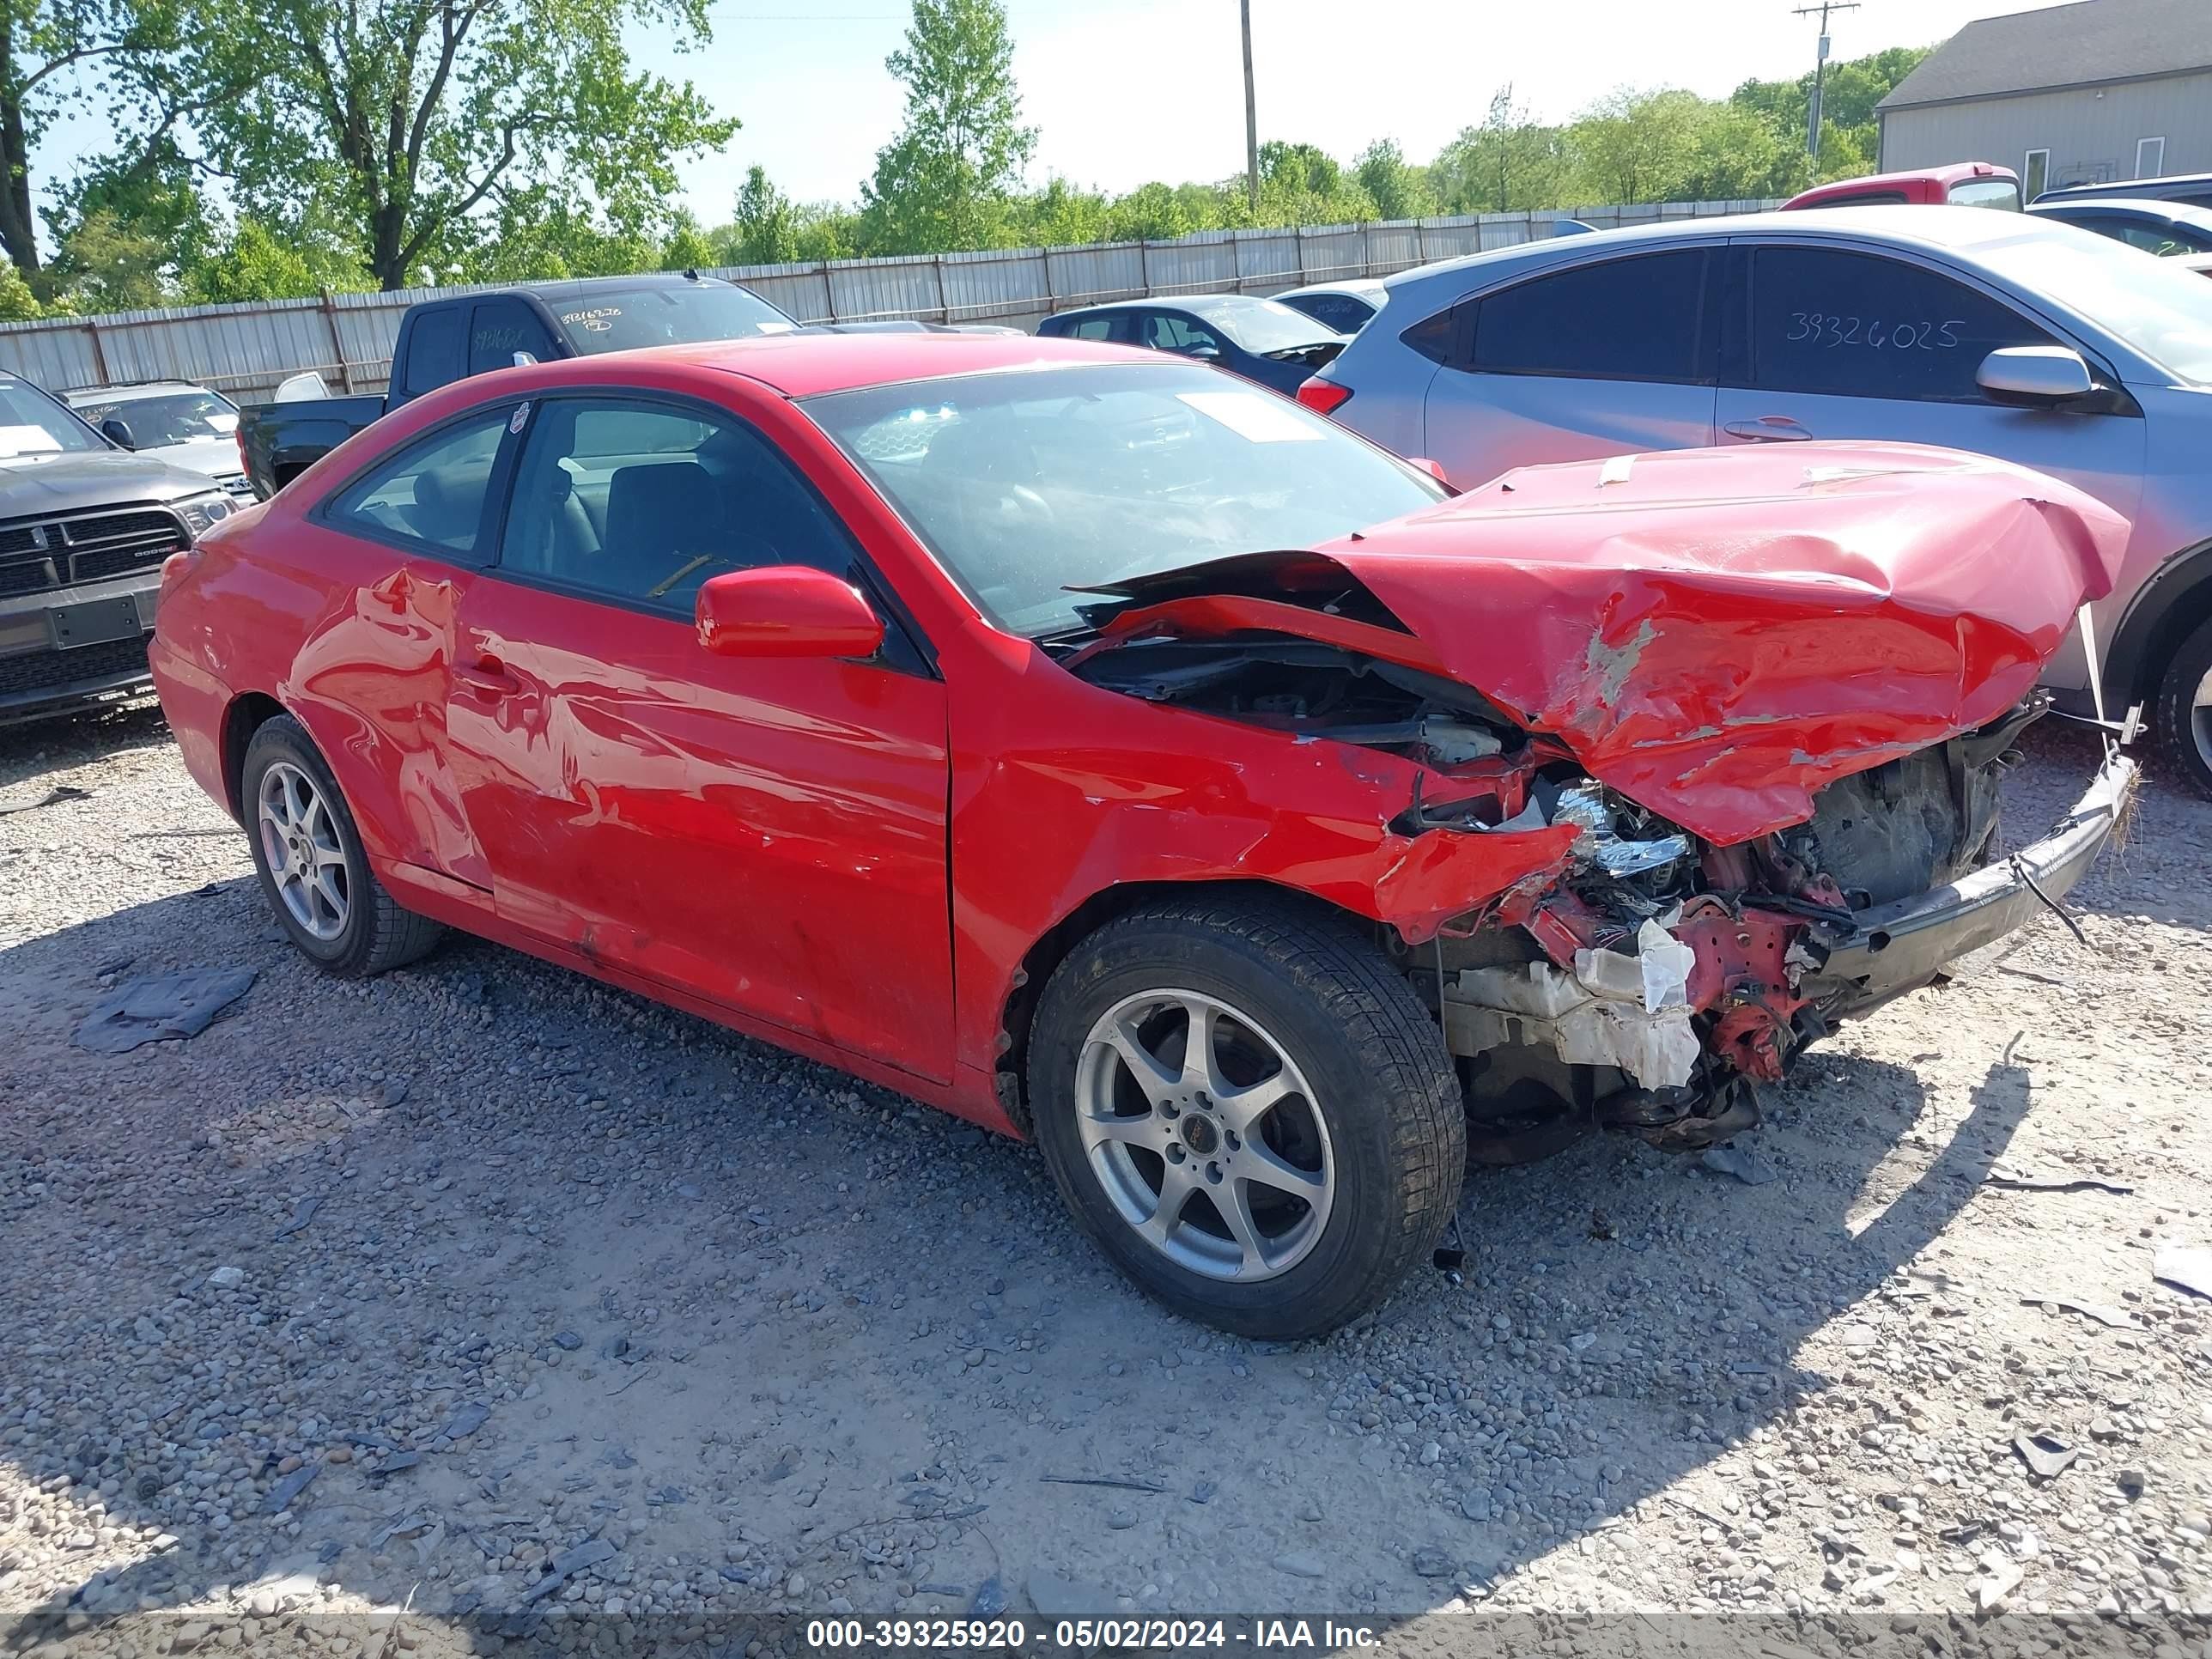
{"x": 301, "y": 843}
{"x": 1204, "y": 1135}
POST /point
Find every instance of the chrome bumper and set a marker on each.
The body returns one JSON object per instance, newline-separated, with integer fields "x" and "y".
{"x": 1900, "y": 945}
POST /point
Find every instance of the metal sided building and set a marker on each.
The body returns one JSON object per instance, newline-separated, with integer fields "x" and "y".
{"x": 2088, "y": 94}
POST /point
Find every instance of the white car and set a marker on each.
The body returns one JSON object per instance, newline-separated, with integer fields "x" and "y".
{"x": 1347, "y": 307}
{"x": 2002, "y": 333}
{"x": 174, "y": 421}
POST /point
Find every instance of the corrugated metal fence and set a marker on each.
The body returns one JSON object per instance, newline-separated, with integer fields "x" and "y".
{"x": 246, "y": 349}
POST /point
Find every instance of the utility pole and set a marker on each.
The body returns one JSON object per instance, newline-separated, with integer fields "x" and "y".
{"x": 1820, "y": 68}
{"x": 1251, "y": 116}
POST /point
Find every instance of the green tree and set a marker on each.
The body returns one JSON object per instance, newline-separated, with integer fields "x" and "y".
{"x": 1062, "y": 216}
{"x": 766, "y": 230}
{"x": 944, "y": 182}
{"x": 1633, "y": 147}
{"x": 1508, "y": 164}
{"x": 826, "y": 231}
{"x": 1850, "y": 133}
{"x": 109, "y": 262}
{"x": 420, "y": 124}
{"x": 17, "y": 303}
{"x": 1398, "y": 188}
{"x": 1151, "y": 213}
{"x": 50, "y": 49}
{"x": 686, "y": 247}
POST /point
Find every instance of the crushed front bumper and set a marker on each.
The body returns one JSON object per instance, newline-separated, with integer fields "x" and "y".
{"x": 1900, "y": 945}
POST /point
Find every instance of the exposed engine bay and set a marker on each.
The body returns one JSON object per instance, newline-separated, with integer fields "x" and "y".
{"x": 1657, "y": 979}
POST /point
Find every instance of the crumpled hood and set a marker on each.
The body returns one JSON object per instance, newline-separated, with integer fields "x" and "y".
{"x": 1717, "y": 634}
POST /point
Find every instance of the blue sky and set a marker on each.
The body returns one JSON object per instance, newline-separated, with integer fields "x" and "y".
{"x": 1124, "y": 91}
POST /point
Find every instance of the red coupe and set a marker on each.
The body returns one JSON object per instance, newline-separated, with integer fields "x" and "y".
{"x": 1112, "y": 752}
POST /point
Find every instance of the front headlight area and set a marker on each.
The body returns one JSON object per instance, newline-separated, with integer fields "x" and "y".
{"x": 201, "y": 513}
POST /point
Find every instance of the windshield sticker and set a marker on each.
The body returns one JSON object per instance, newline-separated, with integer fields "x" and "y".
{"x": 775, "y": 328}
{"x": 519, "y": 418}
{"x": 1252, "y": 417}
{"x": 598, "y": 318}
{"x": 15, "y": 441}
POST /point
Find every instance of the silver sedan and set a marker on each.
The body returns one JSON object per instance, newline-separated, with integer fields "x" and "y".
{"x": 2006, "y": 334}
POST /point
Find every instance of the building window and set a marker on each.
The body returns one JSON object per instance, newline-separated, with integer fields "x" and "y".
{"x": 2150, "y": 157}
{"x": 2035, "y": 176}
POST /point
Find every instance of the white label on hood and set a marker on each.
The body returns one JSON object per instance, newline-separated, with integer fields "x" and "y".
{"x": 1256, "y": 419}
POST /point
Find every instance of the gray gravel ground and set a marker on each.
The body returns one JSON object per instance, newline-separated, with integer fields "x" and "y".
{"x": 392, "y": 1293}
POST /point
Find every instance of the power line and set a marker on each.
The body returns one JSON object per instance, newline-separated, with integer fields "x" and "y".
{"x": 1819, "y": 68}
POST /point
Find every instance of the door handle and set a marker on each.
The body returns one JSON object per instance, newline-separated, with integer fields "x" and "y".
{"x": 1768, "y": 430}
{"x": 487, "y": 677}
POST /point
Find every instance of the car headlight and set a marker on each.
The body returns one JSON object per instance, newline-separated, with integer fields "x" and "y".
{"x": 201, "y": 513}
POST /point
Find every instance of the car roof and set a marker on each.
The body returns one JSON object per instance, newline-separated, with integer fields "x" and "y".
{"x": 2150, "y": 207}
{"x": 124, "y": 393}
{"x": 1360, "y": 287}
{"x": 809, "y": 365}
{"x": 577, "y": 287}
{"x": 1197, "y": 302}
{"x": 1937, "y": 228}
{"x": 1951, "y": 172}
{"x": 2132, "y": 185}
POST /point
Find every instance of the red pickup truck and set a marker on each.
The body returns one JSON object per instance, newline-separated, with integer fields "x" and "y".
{"x": 1962, "y": 184}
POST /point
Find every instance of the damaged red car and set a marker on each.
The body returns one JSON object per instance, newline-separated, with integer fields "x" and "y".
{"x": 1119, "y": 756}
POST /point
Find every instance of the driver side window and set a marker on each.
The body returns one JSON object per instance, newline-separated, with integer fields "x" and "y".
{"x": 641, "y": 502}
{"x": 1166, "y": 332}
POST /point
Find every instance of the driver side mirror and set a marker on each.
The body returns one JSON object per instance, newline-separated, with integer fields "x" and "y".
{"x": 1200, "y": 352}
{"x": 2035, "y": 377}
{"x": 786, "y": 610}
{"x": 117, "y": 431}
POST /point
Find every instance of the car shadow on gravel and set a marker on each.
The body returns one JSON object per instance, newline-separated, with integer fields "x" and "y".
{"x": 660, "y": 1255}
{"x": 37, "y": 747}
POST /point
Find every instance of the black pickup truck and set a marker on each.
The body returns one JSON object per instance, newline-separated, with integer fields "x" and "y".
{"x": 445, "y": 340}
{"x": 448, "y": 340}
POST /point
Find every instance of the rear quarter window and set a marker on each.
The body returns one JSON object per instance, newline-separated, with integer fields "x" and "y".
{"x": 1643, "y": 318}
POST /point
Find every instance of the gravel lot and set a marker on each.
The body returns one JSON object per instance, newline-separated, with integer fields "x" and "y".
{"x": 506, "y": 1263}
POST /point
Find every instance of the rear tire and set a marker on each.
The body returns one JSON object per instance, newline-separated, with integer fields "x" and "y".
{"x": 1308, "y": 1159}
{"x": 2182, "y": 713}
{"x": 307, "y": 850}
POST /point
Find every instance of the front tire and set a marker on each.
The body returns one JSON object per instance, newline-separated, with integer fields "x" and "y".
{"x": 1280, "y": 1179}
{"x": 2184, "y": 714}
{"x": 308, "y": 852}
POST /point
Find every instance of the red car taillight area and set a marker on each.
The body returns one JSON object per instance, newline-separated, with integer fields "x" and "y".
{"x": 1323, "y": 397}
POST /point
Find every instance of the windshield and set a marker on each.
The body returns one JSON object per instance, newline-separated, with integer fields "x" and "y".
{"x": 625, "y": 319}
{"x": 1265, "y": 325}
{"x": 2163, "y": 311}
{"x": 33, "y": 425}
{"x": 174, "y": 417}
{"x": 1027, "y": 483}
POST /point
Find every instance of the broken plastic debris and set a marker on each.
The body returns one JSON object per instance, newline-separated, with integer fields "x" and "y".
{"x": 1736, "y": 1161}
{"x": 1584, "y": 806}
{"x": 2188, "y": 1266}
{"x": 1585, "y": 1025}
{"x": 158, "y": 1006}
{"x": 1658, "y": 974}
{"x": 2047, "y": 1455}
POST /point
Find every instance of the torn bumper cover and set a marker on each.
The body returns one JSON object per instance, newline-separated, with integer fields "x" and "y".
{"x": 1896, "y": 947}
{"x": 1611, "y": 1009}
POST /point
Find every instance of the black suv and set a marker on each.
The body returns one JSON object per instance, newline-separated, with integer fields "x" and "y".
{"x": 85, "y": 526}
